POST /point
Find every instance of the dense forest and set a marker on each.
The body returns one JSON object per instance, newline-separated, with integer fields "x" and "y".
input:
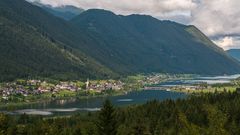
{"x": 206, "y": 114}
{"x": 28, "y": 50}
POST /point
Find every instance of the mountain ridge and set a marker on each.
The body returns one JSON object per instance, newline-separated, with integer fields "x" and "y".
{"x": 124, "y": 34}
{"x": 101, "y": 44}
{"x": 66, "y": 12}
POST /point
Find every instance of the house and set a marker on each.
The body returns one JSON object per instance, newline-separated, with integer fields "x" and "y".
{"x": 33, "y": 82}
{"x": 5, "y": 97}
{"x": 42, "y": 90}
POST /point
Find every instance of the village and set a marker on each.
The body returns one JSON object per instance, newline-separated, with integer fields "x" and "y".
{"x": 20, "y": 89}
{"x": 27, "y": 88}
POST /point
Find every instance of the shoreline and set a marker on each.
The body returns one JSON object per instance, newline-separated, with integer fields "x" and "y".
{"x": 11, "y": 105}
{"x": 48, "y": 97}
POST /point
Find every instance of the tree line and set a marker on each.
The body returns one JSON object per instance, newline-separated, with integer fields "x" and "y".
{"x": 206, "y": 114}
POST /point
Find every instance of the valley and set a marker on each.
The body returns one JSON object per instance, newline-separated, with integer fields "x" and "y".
{"x": 119, "y": 68}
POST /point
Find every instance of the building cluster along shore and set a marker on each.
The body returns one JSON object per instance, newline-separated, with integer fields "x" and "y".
{"x": 32, "y": 89}
{"x": 38, "y": 87}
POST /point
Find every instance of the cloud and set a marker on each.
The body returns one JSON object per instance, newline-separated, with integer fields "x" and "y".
{"x": 158, "y": 8}
{"x": 217, "y": 17}
{"x": 228, "y": 42}
{"x": 225, "y": 42}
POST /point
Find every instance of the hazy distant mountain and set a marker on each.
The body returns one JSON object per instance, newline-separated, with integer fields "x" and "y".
{"x": 100, "y": 44}
{"x": 235, "y": 53}
{"x": 66, "y": 12}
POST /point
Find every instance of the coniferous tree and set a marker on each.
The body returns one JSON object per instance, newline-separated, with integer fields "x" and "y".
{"x": 140, "y": 128}
{"x": 3, "y": 124}
{"x": 77, "y": 131}
{"x": 217, "y": 121}
{"x": 106, "y": 123}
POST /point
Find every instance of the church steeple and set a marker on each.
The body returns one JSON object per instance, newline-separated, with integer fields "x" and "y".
{"x": 87, "y": 83}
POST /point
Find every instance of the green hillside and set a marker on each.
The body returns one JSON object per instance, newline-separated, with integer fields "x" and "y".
{"x": 27, "y": 51}
{"x": 139, "y": 43}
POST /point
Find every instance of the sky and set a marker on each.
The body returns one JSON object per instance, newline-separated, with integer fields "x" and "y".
{"x": 218, "y": 19}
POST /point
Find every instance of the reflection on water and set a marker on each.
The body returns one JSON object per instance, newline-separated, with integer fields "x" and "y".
{"x": 71, "y": 106}
{"x": 215, "y": 79}
{"x": 45, "y": 112}
{"x": 198, "y": 80}
{"x": 32, "y": 112}
{"x": 227, "y": 77}
{"x": 125, "y": 100}
{"x": 63, "y": 102}
{"x": 207, "y": 81}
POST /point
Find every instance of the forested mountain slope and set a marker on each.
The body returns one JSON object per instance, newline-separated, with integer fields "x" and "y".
{"x": 28, "y": 51}
{"x": 140, "y": 43}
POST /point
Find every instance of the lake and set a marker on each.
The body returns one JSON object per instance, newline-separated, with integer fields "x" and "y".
{"x": 201, "y": 79}
{"x": 71, "y": 106}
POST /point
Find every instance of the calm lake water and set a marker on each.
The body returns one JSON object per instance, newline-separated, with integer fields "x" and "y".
{"x": 197, "y": 80}
{"x": 71, "y": 106}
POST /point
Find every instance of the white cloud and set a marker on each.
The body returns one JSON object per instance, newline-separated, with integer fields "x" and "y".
{"x": 153, "y": 7}
{"x": 217, "y": 17}
{"x": 225, "y": 42}
{"x": 228, "y": 42}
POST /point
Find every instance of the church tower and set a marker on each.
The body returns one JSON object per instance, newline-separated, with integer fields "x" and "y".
{"x": 87, "y": 84}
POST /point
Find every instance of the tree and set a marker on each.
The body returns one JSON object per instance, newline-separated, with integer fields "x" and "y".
{"x": 106, "y": 123}
{"x": 184, "y": 127}
{"x": 140, "y": 128}
{"x": 217, "y": 121}
{"x": 3, "y": 123}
